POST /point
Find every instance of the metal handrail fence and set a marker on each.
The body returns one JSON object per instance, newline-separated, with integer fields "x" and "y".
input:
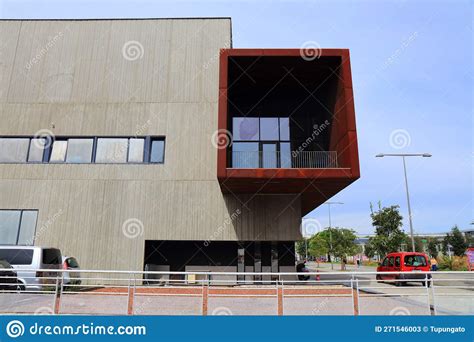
{"x": 281, "y": 292}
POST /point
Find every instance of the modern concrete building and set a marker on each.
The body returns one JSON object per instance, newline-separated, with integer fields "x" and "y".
{"x": 128, "y": 143}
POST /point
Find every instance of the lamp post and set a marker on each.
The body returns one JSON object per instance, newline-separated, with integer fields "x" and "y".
{"x": 330, "y": 233}
{"x": 403, "y": 155}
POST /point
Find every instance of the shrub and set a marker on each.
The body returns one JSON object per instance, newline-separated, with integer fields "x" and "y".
{"x": 456, "y": 263}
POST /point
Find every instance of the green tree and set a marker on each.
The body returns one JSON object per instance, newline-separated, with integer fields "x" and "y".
{"x": 456, "y": 240}
{"x": 432, "y": 247}
{"x": 301, "y": 247}
{"x": 419, "y": 245}
{"x": 318, "y": 246}
{"x": 388, "y": 234}
{"x": 370, "y": 250}
{"x": 343, "y": 241}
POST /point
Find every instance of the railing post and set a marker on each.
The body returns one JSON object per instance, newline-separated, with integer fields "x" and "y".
{"x": 355, "y": 296}
{"x": 434, "y": 313}
{"x": 427, "y": 292}
{"x": 280, "y": 299}
{"x": 57, "y": 293}
{"x": 131, "y": 295}
{"x": 205, "y": 296}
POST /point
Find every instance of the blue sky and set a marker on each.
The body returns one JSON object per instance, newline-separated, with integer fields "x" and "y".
{"x": 412, "y": 70}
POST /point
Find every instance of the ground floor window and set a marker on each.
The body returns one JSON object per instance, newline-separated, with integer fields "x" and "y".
{"x": 17, "y": 227}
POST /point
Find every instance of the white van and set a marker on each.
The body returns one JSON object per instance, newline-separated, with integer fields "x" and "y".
{"x": 27, "y": 259}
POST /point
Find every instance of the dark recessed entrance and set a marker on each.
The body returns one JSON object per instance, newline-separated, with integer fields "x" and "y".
{"x": 250, "y": 256}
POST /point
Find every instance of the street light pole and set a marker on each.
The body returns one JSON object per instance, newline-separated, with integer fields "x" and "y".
{"x": 330, "y": 232}
{"x": 403, "y": 155}
{"x": 306, "y": 247}
{"x": 409, "y": 206}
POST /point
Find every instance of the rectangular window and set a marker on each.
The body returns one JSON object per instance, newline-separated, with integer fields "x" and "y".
{"x": 245, "y": 129}
{"x": 36, "y": 152}
{"x": 269, "y": 158}
{"x": 284, "y": 129}
{"x": 27, "y": 227}
{"x": 17, "y": 256}
{"x": 79, "y": 150}
{"x": 397, "y": 261}
{"x": 136, "y": 150}
{"x": 17, "y": 227}
{"x": 157, "y": 154}
{"x": 285, "y": 155}
{"x": 269, "y": 129}
{"x": 51, "y": 256}
{"x": 245, "y": 155}
{"x": 74, "y": 150}
{"x": 58, "y": 152}
{"x": 9, "y": 225}
{"x": 14, "y": 150}
{"x": 111, "y": 150}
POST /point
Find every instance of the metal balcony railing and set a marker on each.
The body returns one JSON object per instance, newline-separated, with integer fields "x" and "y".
{"x": 284, "y": 160}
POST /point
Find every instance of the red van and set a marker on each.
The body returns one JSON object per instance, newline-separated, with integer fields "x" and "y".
{"x": 408, "y": 262}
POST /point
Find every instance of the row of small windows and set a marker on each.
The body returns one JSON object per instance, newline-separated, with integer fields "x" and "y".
{"x": 82, "y": 150}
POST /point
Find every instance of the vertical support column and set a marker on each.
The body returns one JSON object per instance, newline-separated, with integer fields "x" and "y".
{"x": 205, "y": 296}
{"x": 280, "y": 300}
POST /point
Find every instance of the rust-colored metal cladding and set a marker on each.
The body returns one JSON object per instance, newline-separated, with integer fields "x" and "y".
{"x": 313, "y": 88}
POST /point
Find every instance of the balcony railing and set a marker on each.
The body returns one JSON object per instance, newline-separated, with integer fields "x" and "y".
{"x": 284, "y": 160}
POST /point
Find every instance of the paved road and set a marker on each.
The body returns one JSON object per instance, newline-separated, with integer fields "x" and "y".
{"x": 451, "y": 294}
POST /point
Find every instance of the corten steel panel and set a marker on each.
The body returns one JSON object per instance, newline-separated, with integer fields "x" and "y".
{"x": 314, "y": 185}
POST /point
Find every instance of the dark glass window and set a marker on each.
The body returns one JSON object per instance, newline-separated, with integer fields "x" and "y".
{"x": 157, "y": 154}
{"x": 17, "y": 256}
{"x": 397, "y": 261}
{"x": 415, "y": 260}
{"x": 51, "y": 256}
{"x": 392, "y": 261}
{"x": 72, "y": 262}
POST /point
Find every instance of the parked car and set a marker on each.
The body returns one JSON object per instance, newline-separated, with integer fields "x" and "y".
{"x": 29, "y": 260}
{"x": 410, "y": 264}
{"x": 8, "y": 278}
{"x": 73, "y": 276}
